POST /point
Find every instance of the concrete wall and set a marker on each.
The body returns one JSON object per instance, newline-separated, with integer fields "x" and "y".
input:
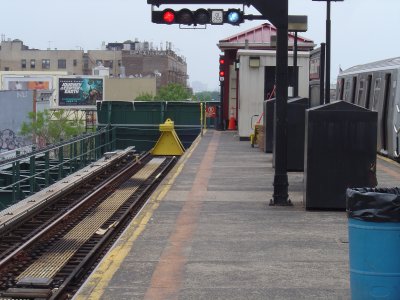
{"x": 15, "y": 106}
{"x": 252, "y": 83}
{"x": 127, "y": 89}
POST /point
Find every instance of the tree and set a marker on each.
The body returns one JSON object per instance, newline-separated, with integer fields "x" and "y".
{"x": 207, "y": 96}
{"x": 48, "y": 128}
{"x": 145, "y": 97}
{"x": 173, "y": 92}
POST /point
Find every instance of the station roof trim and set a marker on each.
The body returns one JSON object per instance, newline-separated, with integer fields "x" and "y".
{"x": 261, "y": 36}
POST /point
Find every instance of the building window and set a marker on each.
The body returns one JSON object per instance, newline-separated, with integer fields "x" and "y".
{"x": 99, "y": 62}
{"x": 6, "y": 68}
{"x": 85, "y": 64}
{"x": 23, "y": 63}
{"x": 62, "y": 64}
{"x": 75, "y": 62}
{"x": 33, "y": 63}
{"x": 45, "y": 63}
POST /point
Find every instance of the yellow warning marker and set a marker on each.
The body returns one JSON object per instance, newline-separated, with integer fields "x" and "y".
{"x": 168, "y": 143}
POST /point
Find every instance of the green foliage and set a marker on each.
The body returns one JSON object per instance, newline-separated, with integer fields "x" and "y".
{"x": 48, "y": 128}
{"x": 145, "y": 97}
{"x": 207, "y": 96}
{"x": 173, "y": 92}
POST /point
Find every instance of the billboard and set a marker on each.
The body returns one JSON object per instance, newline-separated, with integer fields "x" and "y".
{"x": 27, "y": 83}
{"x": 80, "y": 91}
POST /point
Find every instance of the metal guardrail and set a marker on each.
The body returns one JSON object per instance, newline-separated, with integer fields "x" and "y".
{"x": 58, "y": 161}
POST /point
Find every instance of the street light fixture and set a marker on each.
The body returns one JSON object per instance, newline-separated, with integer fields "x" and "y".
{"x": 296, "y": 24}
{"x": 328, "y": 49}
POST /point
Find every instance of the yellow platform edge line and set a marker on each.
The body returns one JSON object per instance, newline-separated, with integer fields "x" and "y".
{"x": 387, "y": 160}
{"x": 98, "y": 281}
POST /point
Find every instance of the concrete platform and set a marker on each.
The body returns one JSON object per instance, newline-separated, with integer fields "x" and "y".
{"x": 209, "y": 233}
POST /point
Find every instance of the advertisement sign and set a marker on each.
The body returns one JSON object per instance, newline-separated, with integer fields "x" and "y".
{"x": 315, "y": 61}
{"x": 79, "y": 91}
{"x": 27, "y": 83}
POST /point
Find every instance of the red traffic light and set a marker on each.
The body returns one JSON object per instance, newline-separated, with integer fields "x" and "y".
{"x": 221, "y": 73}
{"x": 168, "y": 16}
{"x": 222, "y": 61}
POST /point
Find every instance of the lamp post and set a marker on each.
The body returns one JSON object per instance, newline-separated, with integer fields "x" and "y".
{"x": 296, "y": 24}
{"x": 328, "y": 50}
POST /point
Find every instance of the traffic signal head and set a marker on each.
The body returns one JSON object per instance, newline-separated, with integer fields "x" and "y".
{"x": 184, "y": 16}
{"x": 200, "y": 16}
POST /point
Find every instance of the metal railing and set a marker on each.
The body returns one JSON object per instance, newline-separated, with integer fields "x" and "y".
{"x": 53, "y": 163}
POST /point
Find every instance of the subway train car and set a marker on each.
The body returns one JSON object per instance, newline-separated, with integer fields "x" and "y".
{"x": 374, "y": 86}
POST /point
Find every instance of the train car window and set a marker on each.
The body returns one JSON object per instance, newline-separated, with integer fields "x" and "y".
{"x": 385, "y": 111}
{"x": 360, "y": 92}
{"x": 341, "y": 89}
{"x": 353, "y": 91}
{"x": 346, "y": 90}
{"x": 369, "y": 86}
{"x": 377, "y": 90}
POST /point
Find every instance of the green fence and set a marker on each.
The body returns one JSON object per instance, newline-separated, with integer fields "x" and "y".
{"x": 137, "y": 123}
{"x": 27, "y": 174}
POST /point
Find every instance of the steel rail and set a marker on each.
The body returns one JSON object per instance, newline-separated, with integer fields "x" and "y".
{"x": 118, "y": 225}
{"x": 69, "y": 212}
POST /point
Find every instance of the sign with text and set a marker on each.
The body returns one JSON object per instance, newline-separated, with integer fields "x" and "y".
{"x": 80, "y": 91}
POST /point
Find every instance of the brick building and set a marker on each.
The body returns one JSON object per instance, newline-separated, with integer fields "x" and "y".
{"x": 127, "y": 59}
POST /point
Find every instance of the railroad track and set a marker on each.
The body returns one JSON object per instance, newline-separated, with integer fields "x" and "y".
{"x": 52, "y": 262}
{"x": 36, "y": 219}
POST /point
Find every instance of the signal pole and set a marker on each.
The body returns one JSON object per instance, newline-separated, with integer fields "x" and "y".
{"x": 328, "y": 50}
{"x": 276, "y": 11}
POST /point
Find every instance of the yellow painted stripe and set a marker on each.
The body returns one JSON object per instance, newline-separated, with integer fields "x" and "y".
{"x": 97, "y": 282}
{"x": 388, "y": 160}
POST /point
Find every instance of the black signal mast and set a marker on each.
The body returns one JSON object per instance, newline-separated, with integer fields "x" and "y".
{"x": 275, "y": 11}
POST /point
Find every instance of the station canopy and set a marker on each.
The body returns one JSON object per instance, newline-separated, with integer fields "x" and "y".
{"x": 262, "y": 38}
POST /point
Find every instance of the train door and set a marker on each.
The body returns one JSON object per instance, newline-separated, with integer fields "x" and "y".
{"x": 385, "y": 113}
{"x": 369, "y": 86}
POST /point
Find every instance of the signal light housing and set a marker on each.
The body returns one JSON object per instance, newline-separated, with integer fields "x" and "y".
{"x": 200, "y": 16}
{"x": 222, "y": 68}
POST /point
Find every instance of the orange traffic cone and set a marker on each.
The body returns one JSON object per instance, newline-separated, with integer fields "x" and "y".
{"x": 232, "y": 123}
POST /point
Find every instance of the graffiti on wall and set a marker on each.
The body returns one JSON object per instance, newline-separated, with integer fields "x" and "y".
{"x": 10, "y": 141}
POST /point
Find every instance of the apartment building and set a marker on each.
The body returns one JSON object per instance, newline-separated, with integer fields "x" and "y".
{"x": 127, "y": 59}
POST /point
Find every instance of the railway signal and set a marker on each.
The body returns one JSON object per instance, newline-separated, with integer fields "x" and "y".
{"x": 222, "y": 68}
{"x": 200, "y": 16}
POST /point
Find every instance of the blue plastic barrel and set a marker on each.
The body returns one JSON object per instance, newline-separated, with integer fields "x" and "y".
{"x": 374, "y": 243}
{"x": 374, "y": 260}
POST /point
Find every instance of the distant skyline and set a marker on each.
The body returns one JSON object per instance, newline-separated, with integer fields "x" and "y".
{"x": 362, "y": 30}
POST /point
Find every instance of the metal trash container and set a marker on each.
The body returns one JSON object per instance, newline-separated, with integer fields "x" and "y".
{"x": 374, "y": 243}
{"x": 340, "y": 152}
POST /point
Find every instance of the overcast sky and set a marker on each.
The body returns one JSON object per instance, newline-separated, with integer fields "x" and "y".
{"x": 362, "y": 30}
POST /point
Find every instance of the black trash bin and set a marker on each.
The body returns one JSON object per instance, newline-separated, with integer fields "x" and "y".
{"x": 374, "y": 243}
{"x": 340, "y": 152}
